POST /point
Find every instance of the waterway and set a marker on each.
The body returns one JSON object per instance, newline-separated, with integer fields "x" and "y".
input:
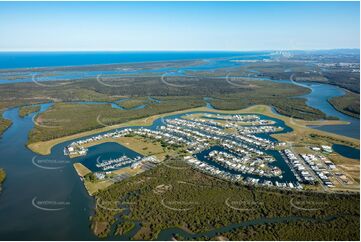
{"x": 346, "y": 151}
{"x": 30, "y": 191}
{"x": 27, "y": 184}
{"x": 118, "y": 103}
{"x": 169, "y": 234}
{"x": 44, "y": 199}
{"x": 318, "y": 98}
{"x": 43, "y": 196}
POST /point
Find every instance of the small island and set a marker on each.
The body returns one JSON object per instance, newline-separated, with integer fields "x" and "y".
{"x": 2, "y": 177}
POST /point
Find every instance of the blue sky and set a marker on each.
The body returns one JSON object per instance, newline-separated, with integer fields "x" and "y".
{"x": 178, "y": 25}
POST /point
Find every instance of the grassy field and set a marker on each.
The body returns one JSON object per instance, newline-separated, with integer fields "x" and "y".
{"x": 200, "y": 203}
{"x": 348, "y": 104}
{"x": 81, "y": 169}
{"x": 142, "y": 146}
{"x": 26, "y": 110}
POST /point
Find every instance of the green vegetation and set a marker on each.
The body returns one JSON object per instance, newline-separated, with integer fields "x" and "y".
{"x": 135, "y": 102}
{"x": 26, "y": 110}
{"x": 282, "y": 69}
{"x": 344, "y": 79}
{"x": 292, "y": 107}
{"x": 348, "y": 104}
{"x": 178, "y": 92}
{"x": 2, "y": 176}
{"x": 4, "y": 124}
{"x": 56, "y": 122}
{"x": 332, "y": 140}
{"x": 282, "y": 98}
{"x": 198, "y": 203}
{"x": 114, "y": 87}
{"x": 124, "y": 227}
{"x": 20, "y": 94}
{"x": 90, "y": 177}
{"x": 341, "y": 228}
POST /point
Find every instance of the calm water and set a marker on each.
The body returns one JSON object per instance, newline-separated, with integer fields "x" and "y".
{"x": 25, "y": 183}
{"x": 104, "y": 152}
{"x": 50, "y": 59}
{"x": 318, "y": 99}
{"x": 347, "y": 151}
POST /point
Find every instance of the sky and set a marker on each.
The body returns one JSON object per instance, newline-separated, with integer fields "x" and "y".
{"x": 237, "y": 26}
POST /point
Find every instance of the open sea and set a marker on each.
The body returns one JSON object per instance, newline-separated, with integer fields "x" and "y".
{"x": 10, "y": 60}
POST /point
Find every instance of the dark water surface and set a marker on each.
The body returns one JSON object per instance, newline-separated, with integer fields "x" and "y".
{"x": 347, "y": 151}
{"x": 27, "y": 184}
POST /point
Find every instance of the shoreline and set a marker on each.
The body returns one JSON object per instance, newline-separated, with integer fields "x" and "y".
{"x": 343, "y": 111}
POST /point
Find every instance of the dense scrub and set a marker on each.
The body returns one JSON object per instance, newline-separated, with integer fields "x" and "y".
{"x": 348, "y": 104}
{"x": 26, "y": 110}
{"x": 87, "y": 117}
{"x": 199, "y": 203}
{"x": 68, "y": 118}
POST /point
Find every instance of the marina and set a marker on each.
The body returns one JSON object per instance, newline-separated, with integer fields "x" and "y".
{"x": 232, "y": 156}
{"x": 82, "y": 204}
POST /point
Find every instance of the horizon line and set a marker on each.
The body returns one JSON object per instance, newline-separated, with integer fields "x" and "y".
{"x": 186, "y": 50}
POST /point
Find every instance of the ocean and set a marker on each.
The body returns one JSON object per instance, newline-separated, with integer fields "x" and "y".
{"x": 10, "y": 60}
